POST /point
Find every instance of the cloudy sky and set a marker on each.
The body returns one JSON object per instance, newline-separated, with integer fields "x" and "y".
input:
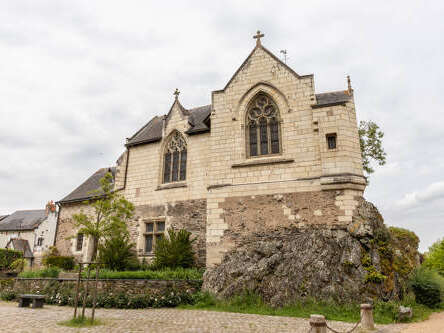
{"x": 78, "y": 77}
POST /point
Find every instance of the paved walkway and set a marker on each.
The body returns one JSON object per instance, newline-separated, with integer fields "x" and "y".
{"x": 14, "y": 319}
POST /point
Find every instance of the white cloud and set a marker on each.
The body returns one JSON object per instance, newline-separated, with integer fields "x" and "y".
{"x": 432, "y": 192}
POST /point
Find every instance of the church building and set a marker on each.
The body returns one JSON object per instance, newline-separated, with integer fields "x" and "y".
{"x": 268, "y": 153}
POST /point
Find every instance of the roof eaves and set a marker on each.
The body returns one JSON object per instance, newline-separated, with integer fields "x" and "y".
{"x": 136, "y": 143}
{"x": 197, "y": 131}
{"x": 317, "y": 106}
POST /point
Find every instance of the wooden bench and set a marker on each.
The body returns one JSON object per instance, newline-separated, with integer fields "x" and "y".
{"x": 25, "y": 300}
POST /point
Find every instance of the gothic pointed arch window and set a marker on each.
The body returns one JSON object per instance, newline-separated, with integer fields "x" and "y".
{"x": 175, "y": 159}
{"x": 263, "y": 127}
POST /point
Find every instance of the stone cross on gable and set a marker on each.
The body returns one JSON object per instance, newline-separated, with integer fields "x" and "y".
{"x": 258, "y": 37}
{"x": 176, "y": 93}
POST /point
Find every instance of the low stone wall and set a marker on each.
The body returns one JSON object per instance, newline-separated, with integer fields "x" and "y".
{"x": 115, "y": 286}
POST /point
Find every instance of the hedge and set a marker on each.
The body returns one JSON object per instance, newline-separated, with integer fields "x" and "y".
{"x": 7, "y": 257}
{"x": 63, "y": 262}
{"x": 162, "y": 274}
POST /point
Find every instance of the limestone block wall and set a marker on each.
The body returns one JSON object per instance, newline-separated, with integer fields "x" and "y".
{"x": 293, "y": 95}
{"x": 346, "y": 158}
{"x": 145, "y": 163}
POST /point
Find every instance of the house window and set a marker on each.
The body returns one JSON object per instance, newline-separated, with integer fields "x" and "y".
{"x": 331, "y": 141}
{"x": 263, "y": 128}
{"x": 154, "y": 231}
{"x": 175, "y": 159}
{"x": 40, "y": 241}
{"x": 79, "y": 242}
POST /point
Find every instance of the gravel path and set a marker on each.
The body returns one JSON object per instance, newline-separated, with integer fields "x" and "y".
{"x": 15, "y": 319}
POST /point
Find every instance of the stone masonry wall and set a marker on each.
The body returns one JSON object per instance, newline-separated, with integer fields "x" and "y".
{"x": 66, "y": 231}
{"x": 127, "y": 286}
{"x": 189, "y": 215}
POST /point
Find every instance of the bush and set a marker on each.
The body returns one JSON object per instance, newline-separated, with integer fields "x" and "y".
{"x": 7, "y": 257}
{"x": 7, "y": 295}
{"x": 117, "y": 253}
{"x": 50, "y": 272}
{"x": 176, "y": 250}
{"x": 434, "y": 259}
{"x": 163, "y": 274}
{"x": 64, "y": 262}
{"x": 18, "y": 265}
{"x": 428, "y": 287}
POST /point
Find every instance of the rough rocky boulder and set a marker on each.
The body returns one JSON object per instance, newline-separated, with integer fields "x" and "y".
{"x": 292, "y": 263}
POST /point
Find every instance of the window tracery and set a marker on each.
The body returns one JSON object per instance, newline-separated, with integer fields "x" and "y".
{"x": 263, "y": 132}
{"x": 175, "y": 159}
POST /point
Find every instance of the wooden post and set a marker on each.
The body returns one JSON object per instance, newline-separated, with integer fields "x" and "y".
{"x": 86, "y": 291}
{"x": 318, "y": 324}
{"x": 95, "y": 293}
{"x": 367, "y": 322}
{"x": 76, "y": 302}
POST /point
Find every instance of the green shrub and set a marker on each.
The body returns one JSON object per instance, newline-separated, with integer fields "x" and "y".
{"x": 18, "y": 265}
{"x": 163, "y": 274}
{"x": 50, "y": 272}
{"x": 117, "y": 253}
{"x": 7, "y": 257}
{"x": 428, "y": 287}
{"x": 7, "y": 295}
{"x": 373, "y": 275}
{"x": 167, "y": 298}
{"x": 64, "y": 262}
{"x": 176, "y": 250}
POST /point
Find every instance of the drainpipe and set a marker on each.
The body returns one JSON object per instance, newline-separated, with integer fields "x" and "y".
{"x": 57, "y": 222}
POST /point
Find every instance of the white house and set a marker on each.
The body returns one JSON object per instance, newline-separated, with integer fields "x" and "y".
{"x": 29, "y": 231}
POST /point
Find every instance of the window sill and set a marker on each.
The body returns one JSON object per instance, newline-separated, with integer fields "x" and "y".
{"x": 262, "y": 162}
{"x": 170, "y": 186}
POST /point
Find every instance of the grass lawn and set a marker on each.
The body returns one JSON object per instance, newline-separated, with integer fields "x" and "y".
{"x": 384, "y": 312}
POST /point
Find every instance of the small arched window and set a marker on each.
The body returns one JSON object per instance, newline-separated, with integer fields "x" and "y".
{"x": 175, "y": 159}
{"x": 263, "y": 128}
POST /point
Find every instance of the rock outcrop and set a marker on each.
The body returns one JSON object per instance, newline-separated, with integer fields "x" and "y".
{"x": 343, "y": 263}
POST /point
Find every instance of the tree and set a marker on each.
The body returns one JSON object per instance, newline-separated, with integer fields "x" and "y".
{"x": 370, "y": 139}
{"x": 434, "y": 259}
{"x": 111, "y": 211}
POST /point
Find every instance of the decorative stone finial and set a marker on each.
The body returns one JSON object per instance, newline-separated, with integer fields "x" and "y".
{"x": 176, "y": 93}
{"x": 350, "y": 90}
{"x": 258, "y": 37}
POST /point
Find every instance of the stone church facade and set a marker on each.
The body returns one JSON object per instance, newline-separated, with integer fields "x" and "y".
{"x": 267, "y": 153}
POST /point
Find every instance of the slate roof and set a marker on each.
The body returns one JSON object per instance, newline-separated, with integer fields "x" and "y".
{"x": 198, "y": 118}
{"x": 21, "y": 245}
{"x": 23, "y": 220}
{"x": 84, "y": 191}
{"x": 332, "y": 98}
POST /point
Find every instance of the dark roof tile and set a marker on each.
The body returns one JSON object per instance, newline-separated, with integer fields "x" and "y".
{"x": 23, "y": 220}
{"x": 334, "y": 97}
{"x": 86, "y": 189}
{"x": 152, "y": 131}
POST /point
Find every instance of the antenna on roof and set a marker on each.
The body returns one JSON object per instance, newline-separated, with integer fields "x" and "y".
{"x": 284, "y": 53}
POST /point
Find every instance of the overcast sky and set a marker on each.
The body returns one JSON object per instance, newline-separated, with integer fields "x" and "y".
{"x": 78, "y": 77}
